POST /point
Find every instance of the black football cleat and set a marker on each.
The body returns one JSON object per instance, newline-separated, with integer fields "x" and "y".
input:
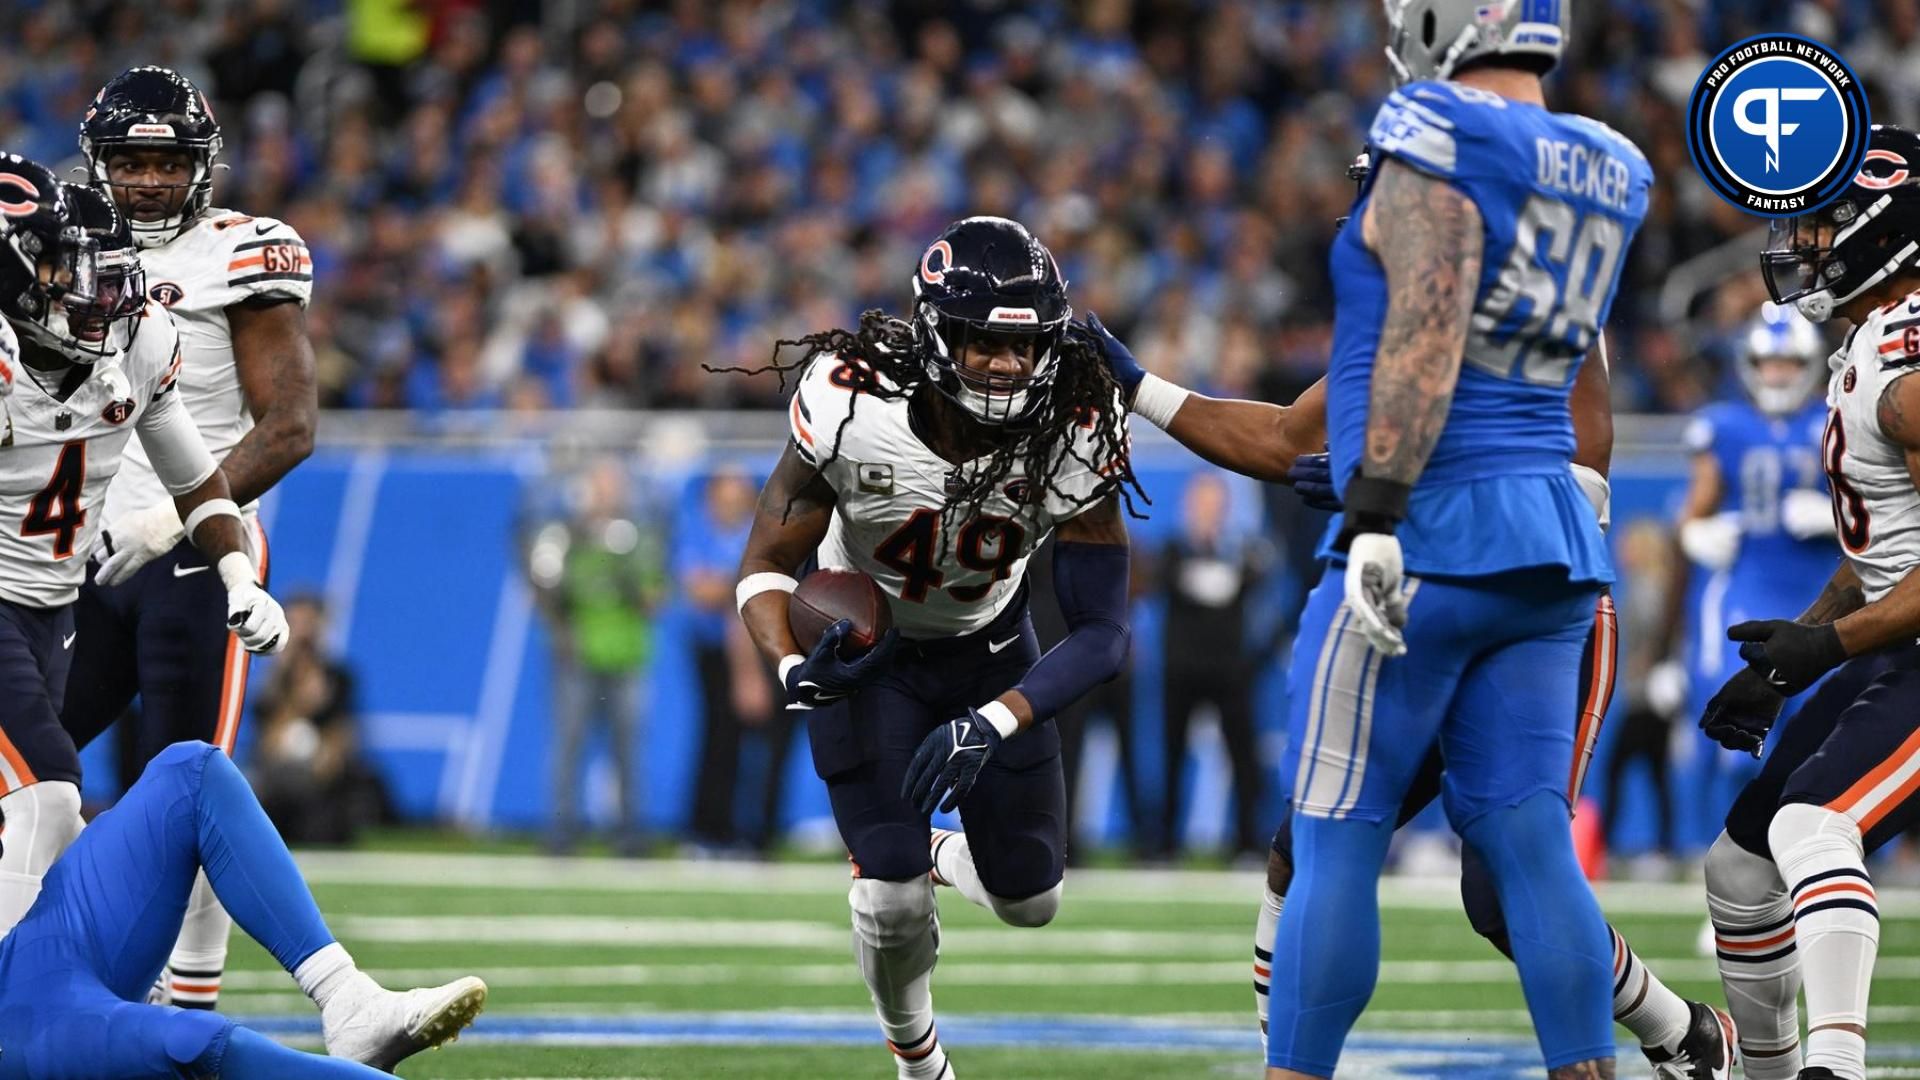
{"x": 1707, "y": 1052}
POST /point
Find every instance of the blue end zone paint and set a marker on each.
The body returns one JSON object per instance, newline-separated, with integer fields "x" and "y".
{"x": 1468, "y": 1057}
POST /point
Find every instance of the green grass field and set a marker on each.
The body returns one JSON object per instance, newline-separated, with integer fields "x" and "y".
{"x": 678, "y": 970}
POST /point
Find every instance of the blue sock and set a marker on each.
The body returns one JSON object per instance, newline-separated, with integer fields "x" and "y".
{"x": 1560, "y": 940}
{"x": 250, "y": 869}
{"x": 1326, "y": 953}
{"x": 250, "y": 1055}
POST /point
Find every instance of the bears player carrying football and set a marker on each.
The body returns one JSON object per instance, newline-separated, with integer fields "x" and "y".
{"x": 237, "y": 286}
{"x": 935, "y": 455}
{"x": 98, "y": 363}
{"x": 1787, "y": 884}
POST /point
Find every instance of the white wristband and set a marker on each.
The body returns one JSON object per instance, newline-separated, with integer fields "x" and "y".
{"x": 788, "y": 663}
{"x": 210, "y": 508}
{"x": 754, "y": 584}
{"x": 236, "y": 570}
{"x": 1002, "y": 718}
{"x": 1598, "y": 492}
{"x": 1158, "y": 400}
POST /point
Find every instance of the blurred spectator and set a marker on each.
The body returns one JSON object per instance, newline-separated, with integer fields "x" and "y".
{"x": 599, "y": 580}
{"x": 307, "y": 767}
{"x": 736, "y": 693}
{"x": 1655, "y": 688}
{"x": 1206, "y": 573}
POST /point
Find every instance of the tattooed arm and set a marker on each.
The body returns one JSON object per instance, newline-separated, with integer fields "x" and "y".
{"x": 1428, "y": 237}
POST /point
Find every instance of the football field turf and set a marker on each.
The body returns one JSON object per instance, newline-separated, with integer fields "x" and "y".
{"x": 678, "y": 970}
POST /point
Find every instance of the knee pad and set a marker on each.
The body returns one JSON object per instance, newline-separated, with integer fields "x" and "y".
{"x": 190, "y": 750}
{"x": 1036, "y": 910}
{"x": 1740, "y": 882}
{"x": 41, "y": 821}
{"x": 1800, "y": 830}
{"x": 888, "y": 914}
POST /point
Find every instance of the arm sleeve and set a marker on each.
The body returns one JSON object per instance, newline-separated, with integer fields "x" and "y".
{"x": 1090, "y": 581}
{"x": 173, "y": 443}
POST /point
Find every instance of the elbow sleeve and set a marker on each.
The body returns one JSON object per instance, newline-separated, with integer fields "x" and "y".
{"x": 1090, "y": 581}
{"x": 173, "y": 444}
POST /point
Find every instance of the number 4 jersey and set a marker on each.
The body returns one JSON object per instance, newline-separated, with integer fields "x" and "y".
{"x": 57, "y": 457}
{"x": 945, "y": 577}
{"x": 1560, "y": 198}
{"x": 1876, "y": 509}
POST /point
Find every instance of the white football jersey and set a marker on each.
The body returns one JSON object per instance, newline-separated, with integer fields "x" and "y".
{"x": 224, "y": 258}
{"x": 1876, "y": 510}
{"x": 57, "y": 458}
{"x": 944, "y": 578}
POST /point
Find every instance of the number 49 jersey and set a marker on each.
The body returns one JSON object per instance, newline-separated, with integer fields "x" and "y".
{"x": 944, "y": 577}
{"x": 1560, "y": 198}
{"x": 1876, "y": 510}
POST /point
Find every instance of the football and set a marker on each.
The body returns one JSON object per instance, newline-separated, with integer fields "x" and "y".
{"x": 827, "y": 596}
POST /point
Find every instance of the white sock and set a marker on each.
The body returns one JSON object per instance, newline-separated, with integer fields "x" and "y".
{"x": 1263, "y": 930}
{"x": 953, "y": 865}
{"x": 325, "y": 973}
{"x": 896, "y": 940}
{"x": 1642, "y": 1003}
{"x": 1836, "y": 920}
{"x": 1758, "y": 958}
{"x": 41, "y": 820}
{"x": 200, "y": 954}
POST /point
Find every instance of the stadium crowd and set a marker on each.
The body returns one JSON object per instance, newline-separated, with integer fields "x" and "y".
{"x": 529, "y": 206}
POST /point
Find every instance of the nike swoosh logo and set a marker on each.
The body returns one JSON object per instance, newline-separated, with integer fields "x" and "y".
{"x": 996, "y": 646}
{"x": 183, "y": 571}
{"x": 261, "y": 230}
{"x": 67, "y": 642}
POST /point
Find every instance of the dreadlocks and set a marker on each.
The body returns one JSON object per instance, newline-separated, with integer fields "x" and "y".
{"x": 883, "y": 362}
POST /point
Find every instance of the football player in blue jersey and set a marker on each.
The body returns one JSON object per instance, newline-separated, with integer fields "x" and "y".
{"x": 1758, "y": 520}
{"x": 74, "y": 973}
{"x": 1480, "y": 263}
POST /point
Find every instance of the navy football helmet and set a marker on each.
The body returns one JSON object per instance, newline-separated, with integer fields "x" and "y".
{"x": 988, "y": 277}
{"x": 153, "y": 108}
{"x": 47, "y": 260}
{"x": 1818, "y": 261}
{"x": 99, "y": 325}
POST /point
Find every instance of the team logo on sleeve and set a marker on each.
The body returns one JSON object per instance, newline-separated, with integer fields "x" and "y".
{"x": 1778, "y": 125}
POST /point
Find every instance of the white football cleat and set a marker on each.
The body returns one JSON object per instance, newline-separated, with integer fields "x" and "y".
{"x": 367, "y": 1023}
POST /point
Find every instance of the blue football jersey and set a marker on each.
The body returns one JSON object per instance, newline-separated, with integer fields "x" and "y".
{"x": 1561, "y": 198}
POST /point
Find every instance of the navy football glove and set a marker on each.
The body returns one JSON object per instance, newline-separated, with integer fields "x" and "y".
{"x": 1312, "y": 476}
{"x": 949, "y": 760}
{"x": 824, "y": 677}
{"x": 1791, "y": 655}
{"x": 1742, "y": 712}
{"x": 1119, "y": 359}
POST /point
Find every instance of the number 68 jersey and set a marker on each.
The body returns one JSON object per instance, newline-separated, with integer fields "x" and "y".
{"x": 945, "y": 577}
{"x": 1876, "y": 511}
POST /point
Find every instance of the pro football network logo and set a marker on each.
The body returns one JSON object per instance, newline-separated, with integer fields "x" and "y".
{"x": 1778, "y": 125}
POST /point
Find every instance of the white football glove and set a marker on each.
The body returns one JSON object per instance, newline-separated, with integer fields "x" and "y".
{"x": 1374, "y": 595}
{"x": 135, "y": 539}
{"x": 1807, "y": 515}
{"x": 1713, "y": 542}
{"x": 251, "y": 614}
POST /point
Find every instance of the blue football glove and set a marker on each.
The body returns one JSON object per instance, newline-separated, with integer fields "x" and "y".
{"x": 824, "y": 677}
{"x": 1312, "y": 476}
{"x": 1742, "y": 712}
{"x": 1119, "y": 359}
{"x": 949, "y": 760}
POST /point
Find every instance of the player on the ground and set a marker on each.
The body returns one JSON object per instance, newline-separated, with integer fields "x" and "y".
{"x": 1683, "y": 1040}
{"x": 238, "y": 287}
{"x": 1757, "y": 519}
{"x": 98, "y": 363}
{"x": 1476, "y": 274}
{"x": 74, "y": 974}
{"x": 1787, "y": 883}
{"x": 935, "y": 455}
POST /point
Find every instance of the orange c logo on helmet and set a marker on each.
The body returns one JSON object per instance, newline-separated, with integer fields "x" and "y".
{"x": 931, "y": 274}
{"x": 16, "y": 207}
{"x": 1882, "y": 183}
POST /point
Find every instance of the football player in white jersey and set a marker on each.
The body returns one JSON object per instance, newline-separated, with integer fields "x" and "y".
{"x": 1787, "y": 885}
{"x": 98, "y": 363}
{"x": 935, "y": 455}
{"x": 237, "y": 287}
